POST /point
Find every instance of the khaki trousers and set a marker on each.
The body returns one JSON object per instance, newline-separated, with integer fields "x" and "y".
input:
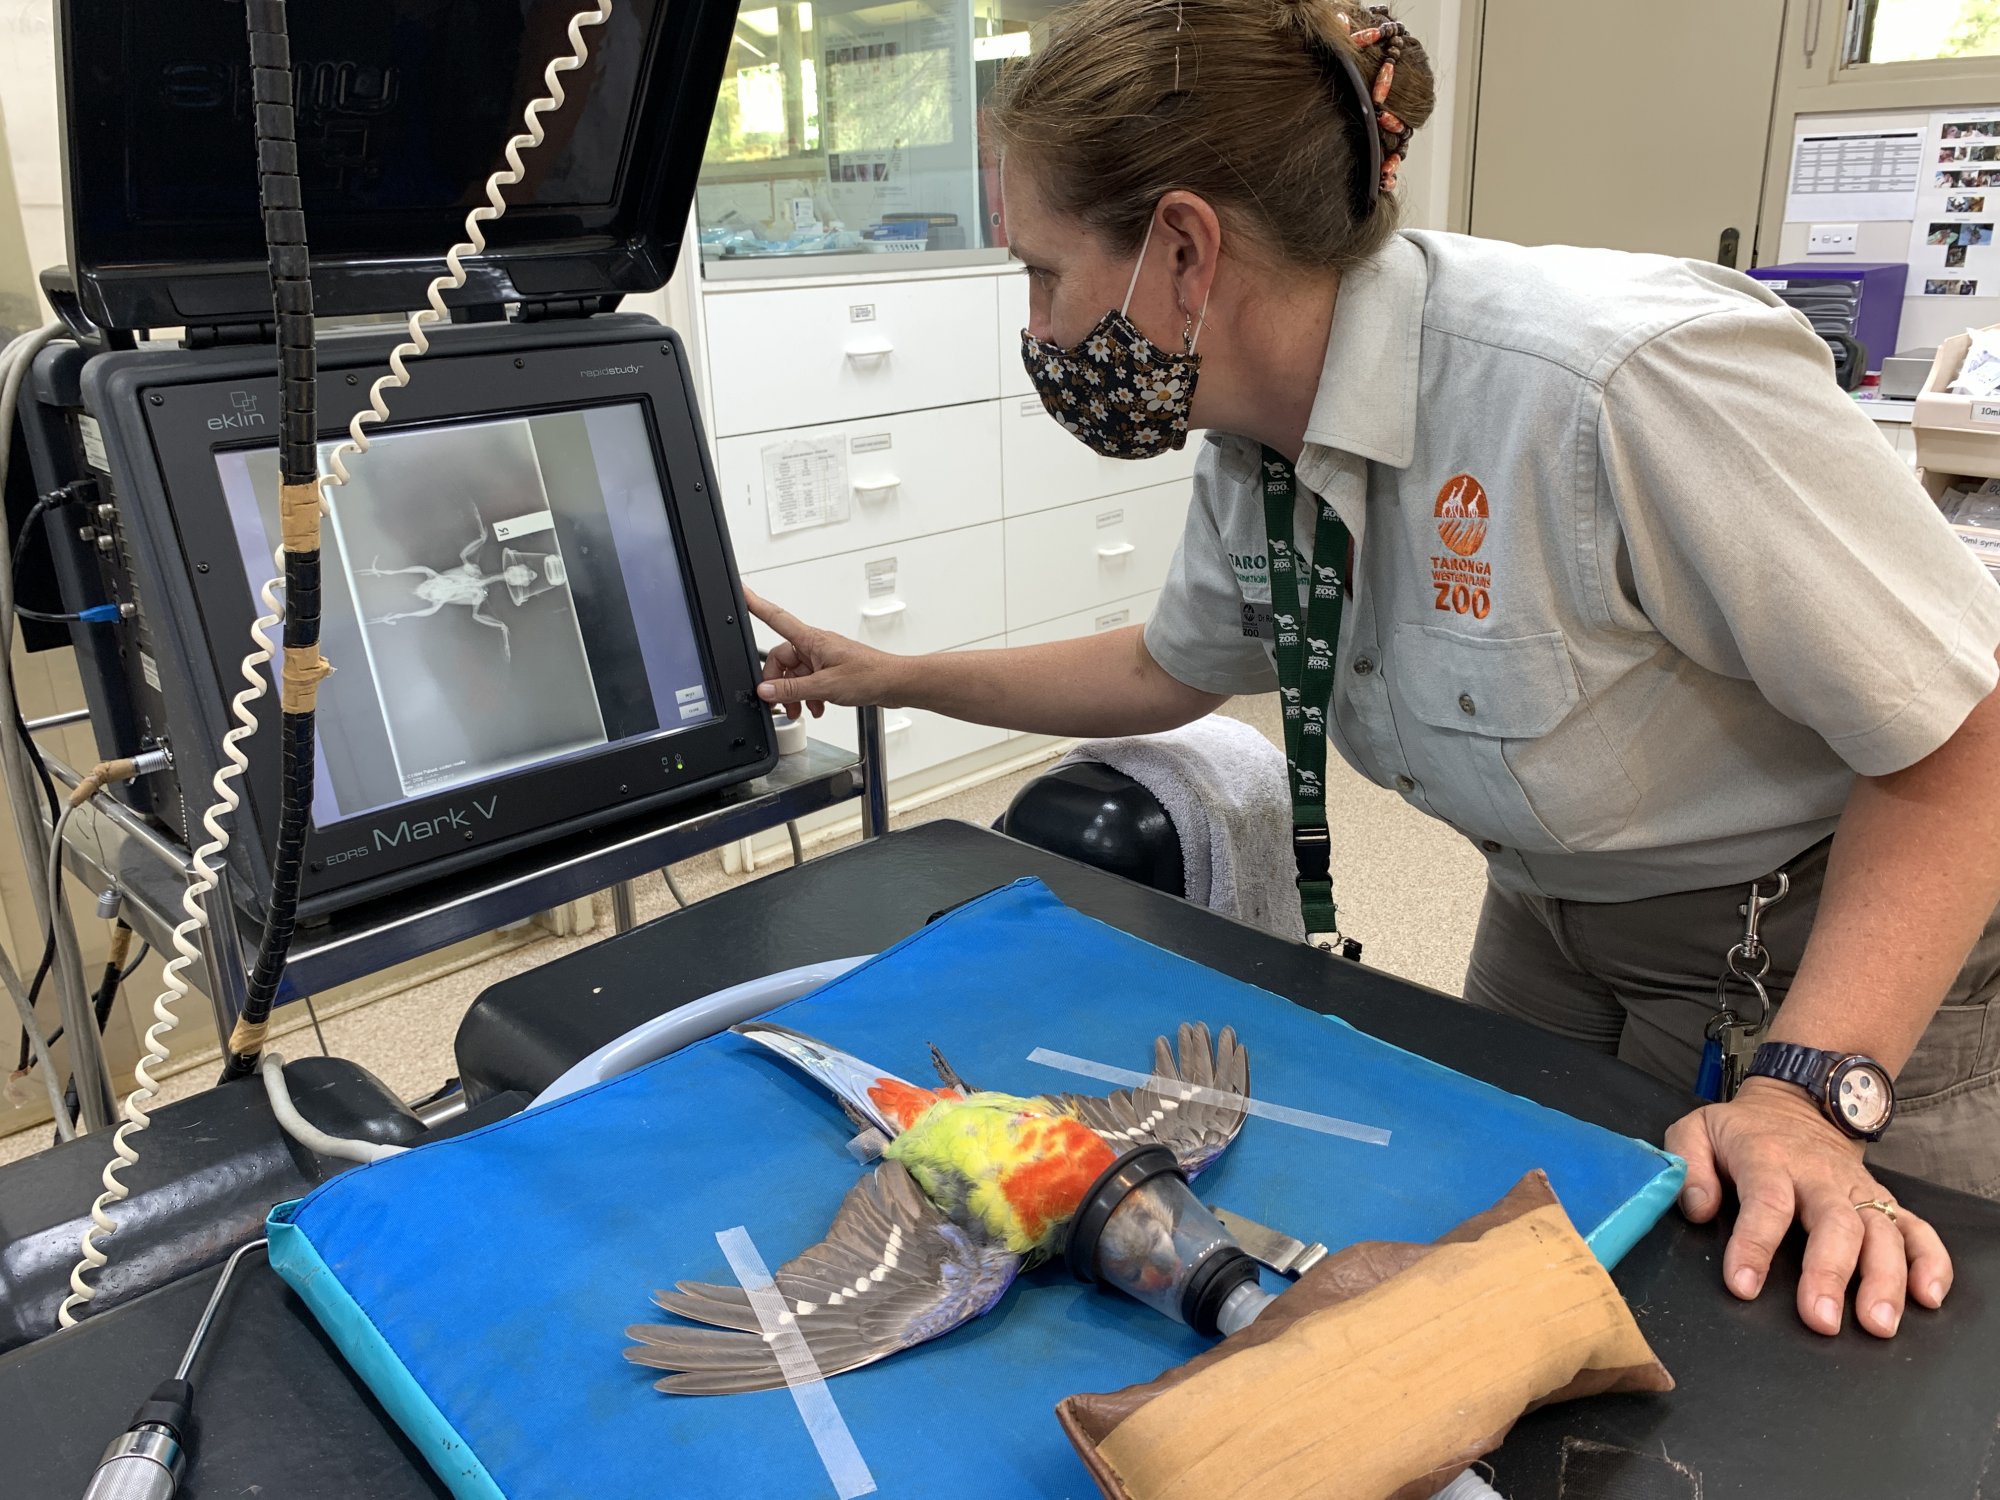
{"x": 1638, "y": 979}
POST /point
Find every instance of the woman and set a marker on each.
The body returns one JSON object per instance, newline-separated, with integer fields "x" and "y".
{"x": 1591, "y": 559}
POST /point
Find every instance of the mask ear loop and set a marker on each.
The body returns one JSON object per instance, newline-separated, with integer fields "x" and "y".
{"x": 1191, "y": 335}
{"x": 1137, "y": 267}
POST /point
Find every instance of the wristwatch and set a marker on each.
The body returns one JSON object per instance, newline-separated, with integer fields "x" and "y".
{"x": 1851, "y": 1089}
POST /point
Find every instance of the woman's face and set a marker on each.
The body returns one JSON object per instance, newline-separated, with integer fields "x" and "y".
{"x": 1073, "y": 279}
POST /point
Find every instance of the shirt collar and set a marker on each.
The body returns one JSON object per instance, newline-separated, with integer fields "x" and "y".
{"x": 1367, "y": 398}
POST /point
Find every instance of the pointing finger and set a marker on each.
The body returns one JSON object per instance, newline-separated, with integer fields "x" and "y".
{"x": 775, "y": 616}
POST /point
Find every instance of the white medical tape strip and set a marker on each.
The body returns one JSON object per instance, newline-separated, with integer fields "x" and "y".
{"x": 1305, "y": 1119}
{"x": 867, "y": 1146}
{"x": 824, "y": 1424}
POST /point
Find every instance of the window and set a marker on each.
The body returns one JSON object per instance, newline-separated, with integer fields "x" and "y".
{"x": 852, "y": 126}
{"x": 1893, "y": 31}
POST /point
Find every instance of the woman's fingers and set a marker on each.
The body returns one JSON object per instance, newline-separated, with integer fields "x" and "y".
{"x": 1885, "y": 1274}
{"x": 779, "y": 619}
{"x": 1930, "y": 1262}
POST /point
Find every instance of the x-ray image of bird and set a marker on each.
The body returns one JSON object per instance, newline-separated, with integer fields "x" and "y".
{"x": 452, "y": 545}
{"x": 524, "y": 574}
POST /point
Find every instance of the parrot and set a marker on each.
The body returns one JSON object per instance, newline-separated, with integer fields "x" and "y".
{"x": 974, "y": 1187}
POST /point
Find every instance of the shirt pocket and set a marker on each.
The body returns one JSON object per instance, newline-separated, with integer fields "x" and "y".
{"x": 1516, "y": 753}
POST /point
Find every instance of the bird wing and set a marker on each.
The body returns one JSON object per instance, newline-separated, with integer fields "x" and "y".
{"x": 1193, "y": 1106}
{"x": 893, "y": 1271}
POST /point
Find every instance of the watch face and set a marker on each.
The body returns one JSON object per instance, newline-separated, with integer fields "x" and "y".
{"x": 1859, "y": 1093}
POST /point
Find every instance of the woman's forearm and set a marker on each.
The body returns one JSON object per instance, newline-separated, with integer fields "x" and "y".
{"x": 1097, "y": 686}
{"x": 1912, "y": 880}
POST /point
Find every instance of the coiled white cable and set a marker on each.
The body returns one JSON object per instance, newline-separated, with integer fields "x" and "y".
{"x": 226, "y": 798}
{"x": 206, "y": 876}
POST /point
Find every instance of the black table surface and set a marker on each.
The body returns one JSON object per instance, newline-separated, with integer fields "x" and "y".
{"x": 1763, "y": 1408}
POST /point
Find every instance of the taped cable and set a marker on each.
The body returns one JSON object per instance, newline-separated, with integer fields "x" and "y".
{"x": 247, "y": 1040}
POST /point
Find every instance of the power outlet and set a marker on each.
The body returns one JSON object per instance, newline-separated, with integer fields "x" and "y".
{"x": 1832, "y": 239}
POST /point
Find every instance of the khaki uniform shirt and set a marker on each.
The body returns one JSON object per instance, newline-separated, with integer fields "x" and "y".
{"x": 1638, "y": 590}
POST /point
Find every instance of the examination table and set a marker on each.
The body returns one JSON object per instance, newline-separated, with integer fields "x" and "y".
{"x": 1763, "y": 1408}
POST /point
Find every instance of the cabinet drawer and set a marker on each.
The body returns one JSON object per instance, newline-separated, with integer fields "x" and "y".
{"x": 914, "y": 739}
{"x": 896, "y": 477}
{"x": 1060, "y": 562}
{"x": 1014, "y": 379}
{"x": 909, "y": 597}
{"x": 803, "y": 355}
{"x": 1044, "y": 466}
{"x": 1116, "y": 615}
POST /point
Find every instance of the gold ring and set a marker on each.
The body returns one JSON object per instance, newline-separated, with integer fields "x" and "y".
{"x": 1881, "y": 1205}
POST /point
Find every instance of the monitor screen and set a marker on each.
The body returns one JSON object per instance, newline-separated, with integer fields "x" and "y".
{"x": 499, "y": 594}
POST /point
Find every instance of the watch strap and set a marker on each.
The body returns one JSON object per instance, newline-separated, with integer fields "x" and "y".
{"x": 1788, "y": 1062}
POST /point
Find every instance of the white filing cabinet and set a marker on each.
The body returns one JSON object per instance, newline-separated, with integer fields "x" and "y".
{"x": 888, "y": 473}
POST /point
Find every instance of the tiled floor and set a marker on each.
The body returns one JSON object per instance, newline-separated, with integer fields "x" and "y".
{"x": 1408, "y": 887}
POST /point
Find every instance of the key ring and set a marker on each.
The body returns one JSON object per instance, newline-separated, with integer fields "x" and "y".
{"x": 1724, "y": 1008}
{"x": 1741, "y": 954}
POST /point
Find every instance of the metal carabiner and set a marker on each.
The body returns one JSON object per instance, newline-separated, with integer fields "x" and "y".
{"x": 1751, "y": 949}
{"x": 1752, "y": 911}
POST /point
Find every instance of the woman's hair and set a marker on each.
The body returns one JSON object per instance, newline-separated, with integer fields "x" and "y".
{"x": 1243, "y": 102}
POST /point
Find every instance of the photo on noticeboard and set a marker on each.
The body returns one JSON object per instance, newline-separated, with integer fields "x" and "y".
{"x": 1965, "y": 234}
{"x": 1944, "y": 287}
{"x": 1954, "y": 256}
{"x": 1962, "y": 204}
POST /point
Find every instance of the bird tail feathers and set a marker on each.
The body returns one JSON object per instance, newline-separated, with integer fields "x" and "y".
{"x": 871, "y": 1096}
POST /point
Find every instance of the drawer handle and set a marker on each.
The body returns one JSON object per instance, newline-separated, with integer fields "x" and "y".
{"x": 897, "y": 726}
{"x": 1118, "y": 549}
{"x": 883, "y": 610}
{"x": 868, "y": 489}
{"x": 871, "y": 349}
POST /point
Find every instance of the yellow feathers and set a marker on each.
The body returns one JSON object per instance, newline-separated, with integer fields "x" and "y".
{"x": 1020, "y": 1166}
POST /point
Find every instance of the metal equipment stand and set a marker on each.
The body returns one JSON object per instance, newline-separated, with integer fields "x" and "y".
{"x": 109, "y": 847}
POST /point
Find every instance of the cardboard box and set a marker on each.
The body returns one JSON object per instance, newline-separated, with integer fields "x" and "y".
{"x": 1956, "y": 435}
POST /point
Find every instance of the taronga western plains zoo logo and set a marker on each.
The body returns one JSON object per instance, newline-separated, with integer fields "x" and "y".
{"x": 1464, "y": 583}
{"x": 1462, "y": 513}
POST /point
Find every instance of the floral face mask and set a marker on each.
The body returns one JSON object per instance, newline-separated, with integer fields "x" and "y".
{"x": 1117, "y": 392}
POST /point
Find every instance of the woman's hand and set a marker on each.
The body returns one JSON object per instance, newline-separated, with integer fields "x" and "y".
{"x": 1788, "y": 1161}
{"x": 811, "y": 668}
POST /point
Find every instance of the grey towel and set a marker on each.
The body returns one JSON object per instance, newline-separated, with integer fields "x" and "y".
{"x": 1225, "y": 788}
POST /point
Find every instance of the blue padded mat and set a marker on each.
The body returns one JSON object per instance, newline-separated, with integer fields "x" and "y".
{"x": 482, "y": 1285}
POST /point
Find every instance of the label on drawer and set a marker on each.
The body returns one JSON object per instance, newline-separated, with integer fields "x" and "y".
{"x": 1986, "y": 413}
{"x": 1113, "y": 620}
{"x": 881, "y": 577}
{"x": 1110, "y": 518}
{"x": 861, "y": 312}
{"x": 874, "y": 442}
{"x": 805, "y": 484}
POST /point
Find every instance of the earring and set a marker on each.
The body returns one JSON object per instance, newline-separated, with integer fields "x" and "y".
{"x": 1187, "y": 332}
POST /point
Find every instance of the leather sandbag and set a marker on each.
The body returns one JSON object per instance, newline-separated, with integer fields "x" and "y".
{"x": 1384, "y": 1372}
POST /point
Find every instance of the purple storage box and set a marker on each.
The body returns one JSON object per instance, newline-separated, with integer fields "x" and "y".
{"x": 1878, "y": 311}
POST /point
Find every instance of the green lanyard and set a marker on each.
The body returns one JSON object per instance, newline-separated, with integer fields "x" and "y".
{"x": 1305, "y": 629}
